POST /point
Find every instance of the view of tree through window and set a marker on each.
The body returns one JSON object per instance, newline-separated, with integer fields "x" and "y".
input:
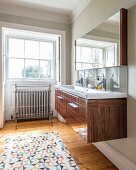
{"x": 34, "y": 59}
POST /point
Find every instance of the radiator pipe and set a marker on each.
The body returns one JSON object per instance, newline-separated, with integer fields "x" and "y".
{"x": 13, "y": 117}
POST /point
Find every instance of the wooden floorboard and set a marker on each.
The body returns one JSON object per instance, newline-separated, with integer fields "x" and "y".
{"x": 86, "y": 155}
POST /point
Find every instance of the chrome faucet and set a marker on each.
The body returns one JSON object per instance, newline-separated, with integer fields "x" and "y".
{"x": 87, "y": 80}
{"x": 103, "y": 82}
{"x": 80, "y": 81}
{"x": 112, "y": 83}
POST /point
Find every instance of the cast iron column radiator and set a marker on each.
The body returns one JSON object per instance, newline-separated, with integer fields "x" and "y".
{"x": 33, "y": 102}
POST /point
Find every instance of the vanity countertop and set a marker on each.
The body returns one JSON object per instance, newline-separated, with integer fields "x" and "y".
{"x": 91, "y": 93}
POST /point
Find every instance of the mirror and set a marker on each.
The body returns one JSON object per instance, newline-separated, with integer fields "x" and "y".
{"x": 105, "y": 46}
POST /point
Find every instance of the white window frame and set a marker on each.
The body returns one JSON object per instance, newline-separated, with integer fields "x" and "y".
{"x": 83, "y": 45}
{"x": 104, "y": 51}
{"x": 61, "y": 33}
{"x": 26, "y": 38}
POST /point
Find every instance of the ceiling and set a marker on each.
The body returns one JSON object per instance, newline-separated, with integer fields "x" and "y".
{"x": 115, "y": 19}
{"x": 94, "y": 43}
{"x": 70, "y": 7}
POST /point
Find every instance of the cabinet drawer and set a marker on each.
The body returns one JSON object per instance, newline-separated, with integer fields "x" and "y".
{"x": 77, "y": 112}
{"x": 72, "y": 97}
{"x": 62, "y": 111}
{"x": 61, "y": 100}
{"x": 70, "y": 118}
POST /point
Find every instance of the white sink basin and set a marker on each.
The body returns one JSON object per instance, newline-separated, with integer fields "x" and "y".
{"x": 91, "y": 93}
{"x": 76, "y": 88}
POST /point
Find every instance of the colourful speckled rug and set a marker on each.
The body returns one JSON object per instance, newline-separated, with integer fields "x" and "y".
{"x": 36, "y": 151}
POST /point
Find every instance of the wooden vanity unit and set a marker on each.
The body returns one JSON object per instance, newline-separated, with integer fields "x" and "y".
{"x": 105, "y": 119}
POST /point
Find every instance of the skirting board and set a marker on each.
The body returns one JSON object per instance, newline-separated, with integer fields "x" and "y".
{"x": 118, "y": 159}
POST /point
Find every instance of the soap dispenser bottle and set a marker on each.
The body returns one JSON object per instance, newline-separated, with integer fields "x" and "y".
{"x": 97, "y": 82}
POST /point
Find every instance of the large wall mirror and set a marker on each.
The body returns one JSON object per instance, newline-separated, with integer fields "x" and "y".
{"x": 105, "y": 46}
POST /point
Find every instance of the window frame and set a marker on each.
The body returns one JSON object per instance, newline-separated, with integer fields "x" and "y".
{"x": 7, "y": 37}
{"x": 87, "y": 46}
{"x": 104, "y": 55}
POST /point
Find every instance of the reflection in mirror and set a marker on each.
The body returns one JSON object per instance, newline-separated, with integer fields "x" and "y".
{"x": 100, "y": 47}
{"x": 92, "y": 77}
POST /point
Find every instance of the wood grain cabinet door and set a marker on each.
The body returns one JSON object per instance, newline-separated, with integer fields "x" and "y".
{"x": 73, "y": 110}
{"x": 107, "y": 121}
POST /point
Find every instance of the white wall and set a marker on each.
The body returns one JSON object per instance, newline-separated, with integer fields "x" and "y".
{"x": 127, "y": 147}
{"x": 1, "y": 83}
{"x": 62, "y": 29}
{"x": 132, "y": 72}
{"x": 93, "y": 15}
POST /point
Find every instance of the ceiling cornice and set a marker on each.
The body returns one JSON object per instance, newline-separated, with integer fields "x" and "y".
{"x": 34, "y": 13}
{"x": 77, "y": 12}
{"x": 47, "y": 15}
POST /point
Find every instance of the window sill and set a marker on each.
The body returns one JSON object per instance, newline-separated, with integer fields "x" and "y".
{"x": 47, "y": 81}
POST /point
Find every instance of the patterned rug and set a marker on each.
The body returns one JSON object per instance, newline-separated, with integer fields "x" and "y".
{"x": 36, "y": 151}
